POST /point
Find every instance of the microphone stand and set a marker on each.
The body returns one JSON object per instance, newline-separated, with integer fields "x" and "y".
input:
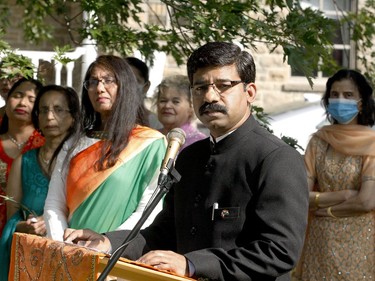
{"x": 164, "y": 186}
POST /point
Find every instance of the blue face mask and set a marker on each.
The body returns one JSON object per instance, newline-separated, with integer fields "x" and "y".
{"x": 343, "y": 110}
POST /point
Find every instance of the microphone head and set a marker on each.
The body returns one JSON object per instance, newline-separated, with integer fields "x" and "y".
{"x": 177, "y": 134}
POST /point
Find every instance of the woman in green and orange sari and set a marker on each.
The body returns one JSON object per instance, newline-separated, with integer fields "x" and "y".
{"x": 114, "y": 167}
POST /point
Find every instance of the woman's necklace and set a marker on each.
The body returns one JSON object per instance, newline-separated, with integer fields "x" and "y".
{"x": 18, "y": 144}
{"x": 98, "y": 135}
{"x": 42, "y": 157}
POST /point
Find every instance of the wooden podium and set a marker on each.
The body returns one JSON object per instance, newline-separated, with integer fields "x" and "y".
{"x": 127, "y": 270}
{"x": 37, "y": 258}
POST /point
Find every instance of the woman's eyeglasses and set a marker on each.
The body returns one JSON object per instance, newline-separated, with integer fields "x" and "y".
{"x": 57, "y": 111}
{"x": 93, "y": 83}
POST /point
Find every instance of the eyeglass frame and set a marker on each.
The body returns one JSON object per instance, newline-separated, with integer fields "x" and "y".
{"x": 233, "y": 83}
{"x": 107, "y": 81}
{"x": 57, "y": 114}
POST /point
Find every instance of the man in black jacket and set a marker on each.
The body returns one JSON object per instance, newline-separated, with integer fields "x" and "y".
{"x": 240, "y": 209}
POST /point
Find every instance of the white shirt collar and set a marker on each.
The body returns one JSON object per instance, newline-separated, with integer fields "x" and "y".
{"x": 221, "y": 137}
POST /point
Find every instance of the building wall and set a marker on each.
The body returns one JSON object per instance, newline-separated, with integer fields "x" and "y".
{"x": 277, "y": 91}
{"x": 14, "y": 36}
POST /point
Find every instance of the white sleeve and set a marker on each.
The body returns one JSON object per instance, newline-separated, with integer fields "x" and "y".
{"x": 147, "y": 194}
{"x": 55, "y": 208}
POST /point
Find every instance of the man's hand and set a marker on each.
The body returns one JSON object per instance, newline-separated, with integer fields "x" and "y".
{"x": 166, "y": 260}
{"x": 87, "y": 238}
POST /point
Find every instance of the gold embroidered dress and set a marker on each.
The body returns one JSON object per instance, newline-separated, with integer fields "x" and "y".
{"x": 343, "y": 248}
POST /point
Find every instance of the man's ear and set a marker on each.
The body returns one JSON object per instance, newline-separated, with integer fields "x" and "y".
{"x": 251, "y": 91}
{"x": 146, "y": 86}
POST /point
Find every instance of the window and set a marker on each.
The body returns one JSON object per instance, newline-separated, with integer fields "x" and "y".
{"x": 334, "y": 9}
{"x": 157, "y": 13}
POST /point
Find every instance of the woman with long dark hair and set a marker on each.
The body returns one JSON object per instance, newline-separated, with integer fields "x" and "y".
{"x": 114, "y": 166}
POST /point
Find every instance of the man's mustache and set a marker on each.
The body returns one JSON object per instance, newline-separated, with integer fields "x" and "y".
{"x": 212, "y": 107}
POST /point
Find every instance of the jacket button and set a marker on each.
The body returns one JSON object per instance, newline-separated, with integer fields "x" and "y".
{"x": 224, "y": 213}
{"x": 197, "y": 199}
{"x": 193, "y": 230}
{"x": 209, "y": 167}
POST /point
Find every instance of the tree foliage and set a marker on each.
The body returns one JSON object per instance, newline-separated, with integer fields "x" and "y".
{"x": 303, "y": 35}
{"x": 362, "y": 26}
{"x": 14, "y": 64}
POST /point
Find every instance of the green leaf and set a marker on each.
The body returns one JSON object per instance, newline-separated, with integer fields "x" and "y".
{"x": 14, "y": 65}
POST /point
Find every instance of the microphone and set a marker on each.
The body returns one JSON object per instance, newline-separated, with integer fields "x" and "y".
{"x": 176, "y": 138}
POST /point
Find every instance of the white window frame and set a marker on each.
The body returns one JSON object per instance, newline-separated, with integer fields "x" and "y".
{"x": 335, "y": 14}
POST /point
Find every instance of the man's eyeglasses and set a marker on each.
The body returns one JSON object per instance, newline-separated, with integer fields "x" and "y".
{"x": 93, "y": 83}
{"x": 219, "y": 87}
{"x": 57, "y": 111}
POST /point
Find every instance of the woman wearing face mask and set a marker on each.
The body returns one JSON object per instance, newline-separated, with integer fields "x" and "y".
{"x": 340, "y": 163}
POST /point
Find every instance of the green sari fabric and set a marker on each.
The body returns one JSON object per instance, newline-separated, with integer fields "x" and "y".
{"x": 115, "y": 199}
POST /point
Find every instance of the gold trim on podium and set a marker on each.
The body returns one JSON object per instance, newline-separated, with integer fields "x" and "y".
{"x": 131, "y": 271}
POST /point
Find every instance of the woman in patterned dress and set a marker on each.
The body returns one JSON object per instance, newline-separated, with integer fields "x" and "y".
{"x": 340, "y": 162}
{"x": 17, "y": 133}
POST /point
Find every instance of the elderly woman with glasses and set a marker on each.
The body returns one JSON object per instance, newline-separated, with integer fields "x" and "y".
{"x": 56, "y": 115}
{"x": 113, "y": 164}
{"x": 175, "y": 108}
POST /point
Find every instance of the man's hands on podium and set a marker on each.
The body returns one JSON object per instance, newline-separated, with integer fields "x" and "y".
{"x": 165, "y": 260}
